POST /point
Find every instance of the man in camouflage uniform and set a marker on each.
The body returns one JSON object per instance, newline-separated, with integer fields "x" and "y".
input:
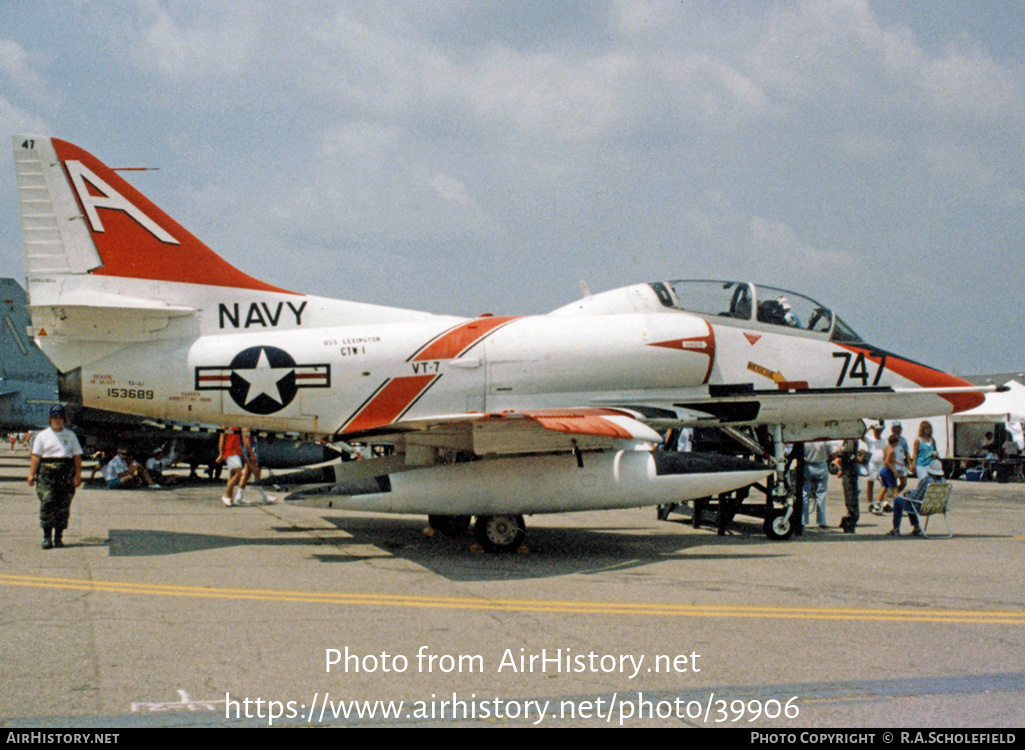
{"x": 849, "y": 459}
{"x": 55, "y": 471}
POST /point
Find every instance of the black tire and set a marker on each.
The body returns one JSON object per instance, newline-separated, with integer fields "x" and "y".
{"x": 500, "y": 533}
{"x": 778, "y": 529}
{"x": 454, "y": 526}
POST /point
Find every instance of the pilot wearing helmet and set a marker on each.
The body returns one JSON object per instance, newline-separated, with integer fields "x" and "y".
{"x": 789, "y": 318}
{"x": 778, "y": 312}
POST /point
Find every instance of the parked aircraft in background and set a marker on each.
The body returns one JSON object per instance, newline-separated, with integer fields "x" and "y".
{"x": 493, "y": 417}
{"x": 28, "y": 381}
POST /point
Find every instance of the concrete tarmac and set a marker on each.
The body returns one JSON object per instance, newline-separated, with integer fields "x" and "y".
{"x": 168, "y": 609}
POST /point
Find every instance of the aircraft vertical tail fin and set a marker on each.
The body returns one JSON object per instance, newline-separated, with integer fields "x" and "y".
{"x": 80, "y": 217}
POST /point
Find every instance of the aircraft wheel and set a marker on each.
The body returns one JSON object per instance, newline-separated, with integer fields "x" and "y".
{"x": 777, "y": 528}
{"x": 454, "y": 526}
{"x": 500, "y": 533}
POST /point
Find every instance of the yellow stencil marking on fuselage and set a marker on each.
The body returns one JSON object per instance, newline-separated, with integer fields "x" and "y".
{"x": 775, "y": 377}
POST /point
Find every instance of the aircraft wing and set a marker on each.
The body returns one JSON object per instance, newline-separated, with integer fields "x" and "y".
{"x": 809, "y": 408}
{"x": 530, "y": 431}
{"x": 805, "y": 413}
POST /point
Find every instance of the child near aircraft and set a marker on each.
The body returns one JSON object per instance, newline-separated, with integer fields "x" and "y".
{"x": 887, "y": 475}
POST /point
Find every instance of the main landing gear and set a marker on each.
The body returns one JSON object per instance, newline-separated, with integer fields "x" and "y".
{"x": 493, "y": 533}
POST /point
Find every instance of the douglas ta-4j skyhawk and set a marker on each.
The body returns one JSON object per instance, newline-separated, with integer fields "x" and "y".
{"x": 491, "y": 417}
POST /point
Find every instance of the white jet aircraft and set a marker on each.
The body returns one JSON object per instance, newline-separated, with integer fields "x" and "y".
{"x": 491, "y": 417}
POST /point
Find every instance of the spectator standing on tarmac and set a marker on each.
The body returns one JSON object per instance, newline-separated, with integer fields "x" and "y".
{"x": 816, "y": 481}
{"x": 875, "y": 447}
{"x": 55, "y": 470}
{"x": 251, "y": 470}
{"x": 230, "y": 454}
{"x": 924, "y": 452}
{"x": 887, "y": 476}
{"x": 848, "y": 459}
{"x": 902, "y": 451}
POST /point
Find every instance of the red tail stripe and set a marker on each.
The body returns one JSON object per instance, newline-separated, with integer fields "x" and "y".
{"x": 129, "y": 250}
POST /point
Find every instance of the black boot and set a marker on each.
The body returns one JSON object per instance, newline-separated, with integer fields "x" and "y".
{"x": 47, "y": 538}
{"x": 58, "y": 538}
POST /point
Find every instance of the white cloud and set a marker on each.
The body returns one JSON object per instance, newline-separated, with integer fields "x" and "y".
{"x": 973, "y": 85}
{"x": 359, "y": 142}
{"x": 544, "y": 95}
{"x": 711, "y": 87}
{"x": 781, "y": 246}
{"x": 14, "y": 119}
{"x": 23, "y": 76}
{"x": 452, "y": 190}
{"x": 211, "y": 40}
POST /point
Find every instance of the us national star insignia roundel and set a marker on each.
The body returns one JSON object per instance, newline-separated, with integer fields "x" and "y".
{"x": 263, "y": 379}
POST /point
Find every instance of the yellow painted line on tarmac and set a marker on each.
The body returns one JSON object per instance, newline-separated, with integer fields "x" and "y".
{"x": 985, "y": 617}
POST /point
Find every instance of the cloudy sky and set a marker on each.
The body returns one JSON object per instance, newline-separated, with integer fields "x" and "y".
{"x": 463, "y": 156}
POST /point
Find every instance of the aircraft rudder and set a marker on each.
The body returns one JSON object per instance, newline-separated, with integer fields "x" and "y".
{"x": 52, "y": 242}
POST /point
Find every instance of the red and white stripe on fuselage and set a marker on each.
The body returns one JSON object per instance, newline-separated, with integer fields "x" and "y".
{"x": 395, "y": 396}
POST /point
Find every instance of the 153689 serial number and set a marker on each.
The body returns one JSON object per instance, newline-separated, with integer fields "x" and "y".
{"x": 130, "y": 393}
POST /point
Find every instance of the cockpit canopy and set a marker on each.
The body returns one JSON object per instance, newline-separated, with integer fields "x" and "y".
{"x": 741, "y": 301}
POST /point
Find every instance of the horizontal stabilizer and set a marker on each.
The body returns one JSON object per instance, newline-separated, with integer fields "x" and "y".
{"x": 123, "y": 323}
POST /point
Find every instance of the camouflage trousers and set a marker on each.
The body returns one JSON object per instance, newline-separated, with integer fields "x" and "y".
{"x": 55, "y": 486}
{"x": 851, "y": 497}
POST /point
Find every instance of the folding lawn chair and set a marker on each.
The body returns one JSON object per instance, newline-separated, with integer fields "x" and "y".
{"x": 935, "y": 502}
